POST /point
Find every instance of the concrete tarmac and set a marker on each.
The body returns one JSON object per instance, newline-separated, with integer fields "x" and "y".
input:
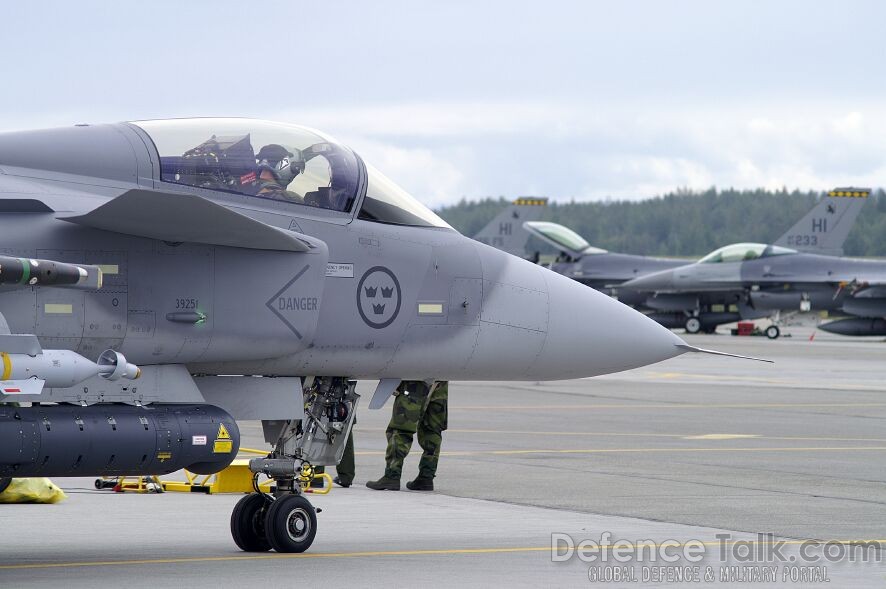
{"x": 692, "y": 448}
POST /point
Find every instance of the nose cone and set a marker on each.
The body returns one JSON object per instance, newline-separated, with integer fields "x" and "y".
{"x": 590, "y": 334}
{"x": 657, "y": 281}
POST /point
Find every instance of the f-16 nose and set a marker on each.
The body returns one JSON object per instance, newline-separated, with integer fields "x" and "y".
{"x": 590, "y": 333}
{"x": 656, "y": 281}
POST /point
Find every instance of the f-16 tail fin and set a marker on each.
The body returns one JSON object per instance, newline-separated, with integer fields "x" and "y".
{"x": 506, "y": 231}
{"x": 824, "y": 229}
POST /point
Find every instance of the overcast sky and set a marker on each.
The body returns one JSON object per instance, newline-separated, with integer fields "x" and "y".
{"x": 583, "y": 100}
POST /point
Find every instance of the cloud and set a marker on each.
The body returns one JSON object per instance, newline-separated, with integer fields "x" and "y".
{"x": 434, "y": 178}
{"x": 456, "y": 119}
{"x": 442, "y": 152}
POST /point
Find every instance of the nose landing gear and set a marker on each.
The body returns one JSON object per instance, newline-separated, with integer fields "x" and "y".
{"x": 287, "y": 522}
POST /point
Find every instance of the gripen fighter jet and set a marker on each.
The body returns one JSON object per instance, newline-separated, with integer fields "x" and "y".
{"x": 506, "y": 230}
{"x": 595, "y": 267}
{"x": 180, "y": 252}
{"x": 761, "y": 280}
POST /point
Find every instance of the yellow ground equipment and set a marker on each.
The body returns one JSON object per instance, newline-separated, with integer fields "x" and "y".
{"x": 140, "y": 484}
{"x": 237, "y": 478}
{"x": 30, "y": 490}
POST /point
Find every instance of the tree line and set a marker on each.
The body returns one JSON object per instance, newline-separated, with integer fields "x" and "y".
{"x": 685, "y": 222}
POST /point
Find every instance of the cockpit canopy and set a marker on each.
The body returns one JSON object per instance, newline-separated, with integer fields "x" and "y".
{"x": 256, "y": 158}
{"x": 562, "y": 238}
{"x": 741, "y": 252}
{"x": 279, "y": 162}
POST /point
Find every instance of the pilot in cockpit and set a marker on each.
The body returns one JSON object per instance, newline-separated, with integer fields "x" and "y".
{"x": 277, "y": 168}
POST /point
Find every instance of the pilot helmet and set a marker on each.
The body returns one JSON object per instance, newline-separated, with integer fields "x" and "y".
{"x": 280, "y": 162}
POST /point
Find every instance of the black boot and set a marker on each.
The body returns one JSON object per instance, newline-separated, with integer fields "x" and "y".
{"x": 421, "y": 484}
{"x": 384, "y": 484}
{"x": 344, "y": 484}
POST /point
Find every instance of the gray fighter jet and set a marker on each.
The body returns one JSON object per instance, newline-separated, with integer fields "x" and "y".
{"x": 754, "y": 280}
{"x": 182, "y": 252}
{"x": 506, "y": 230}
{"x": 595, "y": 267}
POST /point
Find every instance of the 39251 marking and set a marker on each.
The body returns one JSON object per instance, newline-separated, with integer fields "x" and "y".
{"x": 186, "y": 303}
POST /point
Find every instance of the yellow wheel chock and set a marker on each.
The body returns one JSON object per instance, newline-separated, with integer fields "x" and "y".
{"x": 236, "y": 478}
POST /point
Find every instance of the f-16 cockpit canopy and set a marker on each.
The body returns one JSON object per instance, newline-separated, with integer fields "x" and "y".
{"x": 741, "y": 252}
{"x": 278, "y": 162}
{"x": 562, "y": 238}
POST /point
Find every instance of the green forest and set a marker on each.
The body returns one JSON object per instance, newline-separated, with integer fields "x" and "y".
{"x": 686, "y": 223}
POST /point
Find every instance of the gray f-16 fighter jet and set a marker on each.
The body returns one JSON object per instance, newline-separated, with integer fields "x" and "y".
{"x": 181, "y": 252}
{"x": 506, "y": 230}
{"x": 760, "y": 280}
{"x": 595, "y": 267}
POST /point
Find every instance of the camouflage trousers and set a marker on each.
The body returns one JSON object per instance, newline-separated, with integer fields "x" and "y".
{"x": 345, "y": 467}
{"x": 422, "y": 414}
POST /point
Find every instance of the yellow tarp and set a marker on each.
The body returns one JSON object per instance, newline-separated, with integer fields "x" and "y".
{"x": 32, "y": 491}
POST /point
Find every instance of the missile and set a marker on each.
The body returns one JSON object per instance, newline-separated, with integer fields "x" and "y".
{"x": 35, "y": 272}
{"x": 27, "y": 374}
{"x": 856, "y": 326}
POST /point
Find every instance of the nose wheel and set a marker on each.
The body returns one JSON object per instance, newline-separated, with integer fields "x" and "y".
{"x": 286, "y": 524}
{"x": 772, "y": 332}
{"x": 291, "y": 524}
{"x": 692, "y": 325}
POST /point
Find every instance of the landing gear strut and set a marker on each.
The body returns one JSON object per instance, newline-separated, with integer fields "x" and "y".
{"x": 287, "y": 522}
{"x": 773, "y": 331}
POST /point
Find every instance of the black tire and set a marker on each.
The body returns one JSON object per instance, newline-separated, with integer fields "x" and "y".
{"x": 772, "y": 332}
{"x": 248, "y": 523}
{"x": 692, "y": 325}
{"x": 291, "y": 524}
{"x": 4, "y": 483}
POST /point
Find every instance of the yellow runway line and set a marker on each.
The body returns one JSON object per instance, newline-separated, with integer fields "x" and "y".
{"x": 641, "y": 405}
{"x": 693, "y": 435}
{"x": 755, "y": 379}
{"x": 717, "y": 377}
{"x": 382, "y": 553}
{"x": 271, "y": 556}
{"x": 659, "y": 450}
{"x": 542, "y": 433}
{"x": 642, "y": 450}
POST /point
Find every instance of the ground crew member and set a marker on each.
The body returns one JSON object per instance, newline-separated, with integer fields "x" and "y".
{"x": 345, "y": 468}
{"x": 419, "y": 408}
